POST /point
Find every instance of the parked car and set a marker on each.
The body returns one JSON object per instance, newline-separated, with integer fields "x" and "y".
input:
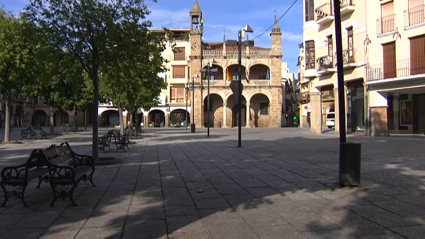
{"x": 330, "y": 120}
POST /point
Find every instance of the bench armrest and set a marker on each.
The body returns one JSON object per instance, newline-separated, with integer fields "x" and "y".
{"x": 80, "y": 160}
{"x": 61, "y": 174}
{"x": 17, "y": 174}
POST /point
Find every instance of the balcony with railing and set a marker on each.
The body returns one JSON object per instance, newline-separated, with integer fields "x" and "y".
{"x": 324, "y": 13}
{"x": 325, "y": 65}
{"x": 395, "y": 69}
{"x": 348, "y": 58}
{"x": 385, "y": 24}
{"x": 347, "y": 6}
{"x": 414, "y": 16}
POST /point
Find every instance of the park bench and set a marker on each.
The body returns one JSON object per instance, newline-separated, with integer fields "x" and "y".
{"x": 67, "y": 168}
{"x": 58, "y": 165}
{"x": 121, "y": 141}
{"x": 131, "y": 132}
{"x": 105, "y": 141}
{"x": 36, "y": 132}
{"x": 67, "y": 128}
{"x": 19, "y": 176}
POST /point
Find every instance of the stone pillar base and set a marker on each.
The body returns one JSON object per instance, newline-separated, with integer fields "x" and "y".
{"x": 316, "y": 112}
{"x": 379, "y": 121}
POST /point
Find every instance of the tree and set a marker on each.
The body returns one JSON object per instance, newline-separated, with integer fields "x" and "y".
{"x": 131, "y": 82}
{"x": 87, "y": 28}
{"x": 15, "y": 54}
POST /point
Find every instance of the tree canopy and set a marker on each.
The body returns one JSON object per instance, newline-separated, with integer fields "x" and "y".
{"x": 97, "y": 33}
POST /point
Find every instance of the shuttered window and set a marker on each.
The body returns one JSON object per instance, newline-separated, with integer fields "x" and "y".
{"x": 177, "y": 94}
{"x": 179, "y": 54}
{"x": 350, "y": 43}
{"x": 415, "y": 3}
{"x": 178, "y": 71}
{"x": 309, "y": 10}
{"x": 417, "y": 55}
{"x": 309, "y": 55}
{"x": 387, "y": 17}
{"x": 389, "y": 60}
{"x": 330, "y": 45}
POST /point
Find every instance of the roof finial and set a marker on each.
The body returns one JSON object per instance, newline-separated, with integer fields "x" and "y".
{"x": 224, "y": 35}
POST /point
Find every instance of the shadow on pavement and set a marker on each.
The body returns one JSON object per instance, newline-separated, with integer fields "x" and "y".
{"x": 181, "y": 185}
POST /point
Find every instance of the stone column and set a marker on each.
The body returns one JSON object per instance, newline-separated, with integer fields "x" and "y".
{"x": 224, "y": 124}
{"x": 167, "y": 121}
{"x": 145, "y": 121}
{"x": 316, "y": 112}
{"x": 396, "y": 109}
{"x": 247, "y": 125}
{"x": 379, "y": 120}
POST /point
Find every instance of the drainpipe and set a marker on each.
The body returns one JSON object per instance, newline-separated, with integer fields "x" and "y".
{"x": 366, "y": 109}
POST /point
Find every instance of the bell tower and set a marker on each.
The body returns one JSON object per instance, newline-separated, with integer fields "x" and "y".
{"x": 196, "y": 30}
{"x": 276, "y": 54}
{"x": 276, "y": 73}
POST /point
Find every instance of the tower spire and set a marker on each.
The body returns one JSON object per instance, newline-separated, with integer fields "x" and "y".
{"x": 276, "y": 28}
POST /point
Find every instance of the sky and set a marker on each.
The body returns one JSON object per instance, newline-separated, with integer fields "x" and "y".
{"x": 225, "y": 17}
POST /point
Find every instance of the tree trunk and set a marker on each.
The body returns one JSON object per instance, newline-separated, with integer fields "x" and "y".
{"x": 85, "y": 120}
{"x": 95, "y": 147}
{"x": 130, "y": 119}
{"x": 75, "y": 122}
{"x": 120, "y": 116}
{"x": 51, "y": 120}
{"x": 7, "y": 127}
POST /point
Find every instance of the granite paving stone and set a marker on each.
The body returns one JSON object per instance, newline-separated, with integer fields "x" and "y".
{"x": 283, "y": 183}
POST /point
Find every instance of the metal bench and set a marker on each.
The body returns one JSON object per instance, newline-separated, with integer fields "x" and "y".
{"x": 67, "y": 168}
{"x": 19, "y": 176}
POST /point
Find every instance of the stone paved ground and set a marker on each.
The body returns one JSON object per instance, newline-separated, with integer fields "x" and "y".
{"x": 280, "y": 184}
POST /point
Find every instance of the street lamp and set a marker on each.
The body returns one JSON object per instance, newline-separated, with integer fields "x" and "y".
{"x": 208, "y": 70}
{"x": 239, "y": 43}
{"x": 187, "y": 87}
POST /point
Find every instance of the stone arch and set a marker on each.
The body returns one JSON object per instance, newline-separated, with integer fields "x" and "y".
{"x": 39, "y": 118}
{"x": 259, "y": 110}
{"x": 156, "y": 118}
{"x": 232, "y": 112}
{"x": 60, "y": 117}
{"x": 216, "y": 110}
{"x": 233, "y": 71}
{"x": 219, "y": 75}
{"x": 178, "y": 117}
{"x": 109, "y": 118}
{"x": 259, "y": 71}
{"x": 259, "y": 91}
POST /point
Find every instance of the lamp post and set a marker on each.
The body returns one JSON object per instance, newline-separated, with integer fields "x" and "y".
{"x": 239, "y": 43}
{"x": 208, "y": 70}
{"x": 187, "y": 87}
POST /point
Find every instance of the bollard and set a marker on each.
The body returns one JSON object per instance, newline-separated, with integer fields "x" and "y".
{"x": 349, "y": 164}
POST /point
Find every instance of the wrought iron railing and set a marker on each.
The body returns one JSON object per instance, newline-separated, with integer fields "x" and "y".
{"x": 325, "y": 63}
{"x": 395, "y": 69}
{"x": 348, "y": 56}
{"x": 346, "y": 3}
{"x": 414, "y": 16}
{"x": 234, "y": 54}
{"x": 385, "y": 24}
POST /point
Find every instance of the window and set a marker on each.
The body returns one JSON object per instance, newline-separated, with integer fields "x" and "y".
{"x": 309, "y": 55}
{"x": 350, "y": 50}
{"x": 309, "y": 10}
{"x": 416, "y": 12}
{"x": 417, "y": 55}
{"x": 178, "y": 71}
{"x": 206, "y": 105}
{"x": 389, "y": 60}
{"x": 387, "y": 17}
{"x": 179, "y": 54}
{"x": 177, "y": 94}
{"x": 330, "y": 45}
{"x": 264, "y": 108}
